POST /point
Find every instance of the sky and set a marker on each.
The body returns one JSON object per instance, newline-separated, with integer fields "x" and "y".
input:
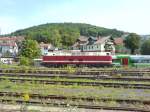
{"x": 125, "y": 15}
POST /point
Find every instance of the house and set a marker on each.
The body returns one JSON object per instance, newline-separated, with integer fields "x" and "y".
{"x": 119, "y": 45}
{"x": 82, "y": 40}
{"x": 11, "y": 39}
{"x": 118, "y": 41}
{"x": 8, "y": 49}
{"x": 8, "y": 46}
{"x": 45, "y": 48}
{"x": 99, "y": 44}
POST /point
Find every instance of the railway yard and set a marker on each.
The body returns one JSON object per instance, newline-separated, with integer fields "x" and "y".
{"x": 75, "y": 89}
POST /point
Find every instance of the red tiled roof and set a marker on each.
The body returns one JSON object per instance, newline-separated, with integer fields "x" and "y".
{"x": 14, "y": 38}
{"x": 118, "y": 41}
{"x": 7, "y": 44}
{"x": 7, "y": 38}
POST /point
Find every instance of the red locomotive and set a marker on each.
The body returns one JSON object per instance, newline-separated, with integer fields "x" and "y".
{"x": 60, "y": 58}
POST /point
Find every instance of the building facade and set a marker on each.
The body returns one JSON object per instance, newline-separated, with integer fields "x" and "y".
{"x": 97, "y": 44}
{"x": 8, "y": 46}
{"x": 45, "y": 48}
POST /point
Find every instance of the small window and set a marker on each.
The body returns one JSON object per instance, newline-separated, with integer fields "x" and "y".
{"x": 45, "y": 48}
{"x": 107, "y": 53}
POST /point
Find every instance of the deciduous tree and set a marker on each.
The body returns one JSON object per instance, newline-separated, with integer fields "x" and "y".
{"x": 30, "y": 49}
{"x": 145, "y": 48}
{"x": 132, "y": 42}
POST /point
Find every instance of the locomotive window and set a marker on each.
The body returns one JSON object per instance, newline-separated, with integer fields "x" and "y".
{"x": 107, "y": 53}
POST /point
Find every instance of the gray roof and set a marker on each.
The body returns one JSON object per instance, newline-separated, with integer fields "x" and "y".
{"x": 101, "y": 40}
{"x": 93, "y": 38}
{"x": 82, "y": 38}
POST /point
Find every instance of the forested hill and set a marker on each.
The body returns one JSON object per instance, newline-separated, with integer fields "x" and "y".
{"x": 64, "y": 34}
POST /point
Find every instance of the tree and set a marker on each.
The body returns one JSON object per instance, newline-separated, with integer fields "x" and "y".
{"x": 69, "y": 36}
{"x": 145, "y": 48}
{"x": 30, "y": 49}
{"x": 55, "y": 38}
{"x": 132, "y": 42}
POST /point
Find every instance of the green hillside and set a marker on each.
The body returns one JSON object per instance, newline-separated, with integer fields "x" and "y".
{"x": 64, "y": 34}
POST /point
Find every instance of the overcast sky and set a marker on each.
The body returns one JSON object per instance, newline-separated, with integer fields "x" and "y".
{"x": 126, "y": 15}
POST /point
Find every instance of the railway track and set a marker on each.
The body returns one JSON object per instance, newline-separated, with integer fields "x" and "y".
{"x": 70, "y": 76}
{"x": 83, "y": 83}
{"x": 78, "y": 106}
{"x": 79, "y": 71}
{"x": 89, "y": 99}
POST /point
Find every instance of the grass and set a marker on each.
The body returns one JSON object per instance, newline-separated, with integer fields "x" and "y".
{"x": 74, "y": 90}
{"x": 68, "y": 68}
{"x": 78, "y": 80}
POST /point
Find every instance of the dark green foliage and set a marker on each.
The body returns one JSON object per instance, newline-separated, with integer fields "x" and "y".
{"x": 65, "y": 34}
{"x": 132, "y": 42}
{"x": 119, "y": 48}
{"x": 30, "y": 49}
{"x": 69, "y": 36}
{"x": 145, "y": 48}
{"x": 25, "y": 61}
{"x": 55, "y": 38}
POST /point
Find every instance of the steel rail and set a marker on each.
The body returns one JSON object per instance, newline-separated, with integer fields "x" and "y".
{"x": 70, "y": 76}
{"x": 83, "y": 83}
{"x": 73, "y": 98}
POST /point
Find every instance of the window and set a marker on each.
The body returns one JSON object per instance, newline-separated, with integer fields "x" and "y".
{"x": 107, "y": 53}
{"x": 45, "y": 48}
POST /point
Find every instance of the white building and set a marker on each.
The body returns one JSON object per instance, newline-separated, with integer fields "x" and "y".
{"x": 45, "y": 48}
{"x": 8, "y": 46}
{"x": 100, "y": 44}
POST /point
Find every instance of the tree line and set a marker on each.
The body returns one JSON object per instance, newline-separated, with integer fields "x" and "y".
{"x": 64, "y": 34}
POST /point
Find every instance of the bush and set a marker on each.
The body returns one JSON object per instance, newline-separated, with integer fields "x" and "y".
{"x": 25, "y": 61}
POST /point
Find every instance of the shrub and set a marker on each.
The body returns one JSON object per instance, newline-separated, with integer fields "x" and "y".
{"x": 25, "y": 61}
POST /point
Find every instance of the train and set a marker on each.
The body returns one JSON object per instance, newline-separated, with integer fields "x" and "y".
{"x": 94, "y": 59}
{"x": 131, "y": 60}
